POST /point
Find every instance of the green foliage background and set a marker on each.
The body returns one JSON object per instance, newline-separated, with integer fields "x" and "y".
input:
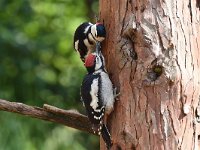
{"x": 39, "y": 65}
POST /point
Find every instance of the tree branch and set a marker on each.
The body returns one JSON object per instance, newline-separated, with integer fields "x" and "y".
{"x": 70, "y": 118}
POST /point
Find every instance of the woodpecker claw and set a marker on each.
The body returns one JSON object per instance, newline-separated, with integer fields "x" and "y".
{"x": 116, "y": 95}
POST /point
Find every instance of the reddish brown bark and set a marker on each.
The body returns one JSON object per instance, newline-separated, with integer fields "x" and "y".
{"x": 152, "y": 51}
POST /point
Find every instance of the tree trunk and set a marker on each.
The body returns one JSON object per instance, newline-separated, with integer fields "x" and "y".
{"x": 151, "y": 51}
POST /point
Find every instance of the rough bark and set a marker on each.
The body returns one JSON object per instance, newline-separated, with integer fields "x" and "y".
{"x": 152, "y": 51}
{"x": 70, "y": 118}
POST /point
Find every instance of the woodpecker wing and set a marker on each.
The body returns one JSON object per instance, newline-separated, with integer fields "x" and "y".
{"x": 91, "y": 98}
{"x": 90, "y": 94}
{"x": 80, "y": 35}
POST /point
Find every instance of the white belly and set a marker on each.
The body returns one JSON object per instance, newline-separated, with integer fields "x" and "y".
{"x": 107, "y": 92}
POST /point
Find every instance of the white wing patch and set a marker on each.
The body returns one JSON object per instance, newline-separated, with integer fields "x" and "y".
{"x": 94, "y": 94}
{"x": 86, "y": 42}
{"x": 76, "y": 45}
{"x": 86, "y": 29}
{"x": 88, "y": 45}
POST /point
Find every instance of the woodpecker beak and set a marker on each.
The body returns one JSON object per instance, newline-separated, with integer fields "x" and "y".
{"x": 98, "y": 47}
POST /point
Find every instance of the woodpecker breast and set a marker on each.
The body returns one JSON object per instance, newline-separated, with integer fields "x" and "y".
{"x": 106, "y": 92}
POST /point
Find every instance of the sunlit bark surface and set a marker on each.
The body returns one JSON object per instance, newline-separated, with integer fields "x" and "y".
{"x": 152, "y": 55}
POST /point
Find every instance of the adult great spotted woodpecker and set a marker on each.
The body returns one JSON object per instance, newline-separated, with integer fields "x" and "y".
{"x": 97, "y": 94}
{"x": 86, "y": 36}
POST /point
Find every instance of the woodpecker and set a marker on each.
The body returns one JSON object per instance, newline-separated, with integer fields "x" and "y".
{"x": 86, "y": 36}
{"x": 97, "y": 94}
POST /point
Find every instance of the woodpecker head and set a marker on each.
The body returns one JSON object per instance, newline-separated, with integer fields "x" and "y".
{"x": 98, "y": 32}
{"x": 94, "y": 62}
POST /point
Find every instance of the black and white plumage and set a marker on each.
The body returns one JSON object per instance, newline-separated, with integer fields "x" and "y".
{"x": 86, "y": 36}
{"x": 97, "y": 95}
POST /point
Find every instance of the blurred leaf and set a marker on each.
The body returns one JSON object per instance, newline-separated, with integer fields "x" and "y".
{"x": 39, "y": 65}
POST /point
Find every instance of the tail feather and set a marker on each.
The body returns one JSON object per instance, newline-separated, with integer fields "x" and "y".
{"x": 106, "y": 136}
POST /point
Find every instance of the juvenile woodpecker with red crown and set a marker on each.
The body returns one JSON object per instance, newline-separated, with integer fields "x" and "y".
{"x": 86, "y": 36}
{"x": 97, "y": 94}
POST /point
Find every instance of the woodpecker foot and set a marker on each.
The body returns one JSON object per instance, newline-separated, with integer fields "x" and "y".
{"x": 116, "y": 95}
